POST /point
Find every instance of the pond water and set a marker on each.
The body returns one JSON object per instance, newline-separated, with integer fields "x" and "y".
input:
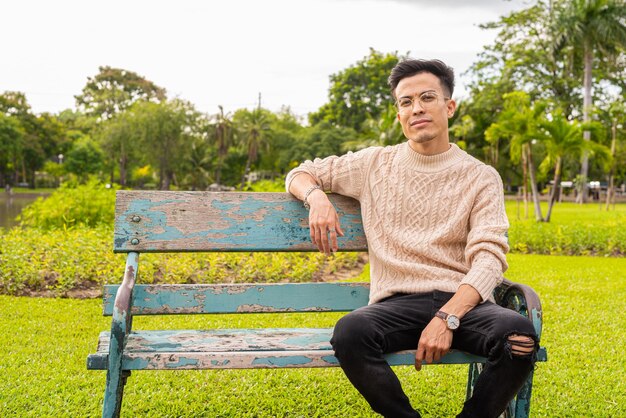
{"x": 12, "y": 204}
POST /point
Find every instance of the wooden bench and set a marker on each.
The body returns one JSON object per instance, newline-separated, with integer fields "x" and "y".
{"x": 215, "y": 222}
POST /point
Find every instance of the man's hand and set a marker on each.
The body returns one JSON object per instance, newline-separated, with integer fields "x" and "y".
{"x": 323, "y": 222}
{"x": 434, "y": 343}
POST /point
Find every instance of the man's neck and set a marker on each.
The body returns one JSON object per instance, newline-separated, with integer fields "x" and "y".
{"x": 434, "y": 147}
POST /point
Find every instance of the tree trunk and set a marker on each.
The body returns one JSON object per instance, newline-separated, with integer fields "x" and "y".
{"x": 610, "y": 193}
{"x": 533, "y": 185}
{"x": 555, "y": 190}
{"x": 245, "y": 174}
{"x": 123, "y": 163}
{"x": 584, "y": 169}
{"x": 525, "y": 182}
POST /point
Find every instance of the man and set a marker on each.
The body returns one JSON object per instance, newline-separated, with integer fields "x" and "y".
{"x": 435, "y": 223}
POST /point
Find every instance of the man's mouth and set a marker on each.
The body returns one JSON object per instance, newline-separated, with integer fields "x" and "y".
{"x": 419, "y": 122}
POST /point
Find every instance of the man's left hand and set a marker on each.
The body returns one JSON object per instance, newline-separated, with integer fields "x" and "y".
{"x": 434, "y": 343}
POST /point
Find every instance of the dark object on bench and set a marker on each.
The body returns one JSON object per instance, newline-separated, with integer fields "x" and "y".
{"x": 223, "y": 221}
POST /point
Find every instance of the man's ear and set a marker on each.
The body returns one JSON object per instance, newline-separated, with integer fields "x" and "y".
{"x": 451, "y": 108}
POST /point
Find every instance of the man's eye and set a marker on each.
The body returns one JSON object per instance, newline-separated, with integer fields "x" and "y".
{"x": 428, "y": 97}
{"x": 405, "y": 102}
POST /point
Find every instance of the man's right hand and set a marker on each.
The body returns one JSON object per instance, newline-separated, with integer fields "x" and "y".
{"x": 323, "y": 222}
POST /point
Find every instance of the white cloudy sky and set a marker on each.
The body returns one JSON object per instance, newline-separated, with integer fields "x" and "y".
{"x": 227, "y": 51}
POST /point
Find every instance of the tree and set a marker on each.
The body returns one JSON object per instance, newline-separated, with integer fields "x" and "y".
{"x": 84, "y": 158}
{"x": 614, "y": 117}
{"x": 119, "y": 137}
{"x": 254, "y": 132}
{"x": 518, "y": 123}
{"x": 11, "y": 142}
{"x": 41, "y": 136}
{"x": 359, "y": 92}
{"x": 166, "y": 130}
{"x": 382, "y": 131}
{"x": 223, "y": 135}
{"x": 597, "y": 25}
{"x": 562, "y": 137}
{"x": 199, "y": 165}
{"x": 113, "y": 90}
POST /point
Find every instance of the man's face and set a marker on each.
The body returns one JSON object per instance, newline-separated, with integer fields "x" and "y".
{"x": 423, "y": 110}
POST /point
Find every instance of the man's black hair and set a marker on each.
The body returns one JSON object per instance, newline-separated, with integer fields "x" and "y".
{"x": 410, "y": 67}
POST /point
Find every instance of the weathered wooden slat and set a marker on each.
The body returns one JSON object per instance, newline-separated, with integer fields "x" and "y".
{"x": 242, "y": 349}
{"x": 242, "y": 298}
{"x": 162, "y": 221}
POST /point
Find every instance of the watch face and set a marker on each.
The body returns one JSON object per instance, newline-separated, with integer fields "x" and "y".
{"x": 453, "y": 322}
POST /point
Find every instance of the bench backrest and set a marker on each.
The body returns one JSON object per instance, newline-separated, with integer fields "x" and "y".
{"x": 242, "y": 298}
{"x": 164, "y": 221}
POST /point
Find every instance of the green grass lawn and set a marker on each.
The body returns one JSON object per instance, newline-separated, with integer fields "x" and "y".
{"x": 568, "y": 212}
{"x": 44, "y": 344}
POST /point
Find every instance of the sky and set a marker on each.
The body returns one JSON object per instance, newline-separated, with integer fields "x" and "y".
{"x": 226, "y": 52}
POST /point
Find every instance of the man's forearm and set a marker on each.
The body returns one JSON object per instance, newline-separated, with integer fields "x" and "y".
{"x": 300, "y": 184}
{"x": 463, "y": 301}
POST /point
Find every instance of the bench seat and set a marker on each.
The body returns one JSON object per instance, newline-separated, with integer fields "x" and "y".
{"x": 240, "y": 349}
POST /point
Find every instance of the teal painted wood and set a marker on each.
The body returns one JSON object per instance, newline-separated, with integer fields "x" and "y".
{"x": 242, "y": 298}
{"x": 120, "y": 328}
{"x": 239, "y": 348}
{"x": 147, "y": 221}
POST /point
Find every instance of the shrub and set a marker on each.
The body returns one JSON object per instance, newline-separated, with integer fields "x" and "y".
{"x": 90, "y": 204}
{"x": 60, "y": 260}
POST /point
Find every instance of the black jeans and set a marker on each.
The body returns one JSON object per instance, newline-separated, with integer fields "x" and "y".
{"x": 362, "y": 337}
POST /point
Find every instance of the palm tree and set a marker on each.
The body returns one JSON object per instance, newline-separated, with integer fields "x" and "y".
{"x": 223, "y": 135}
{"x": 518, "y": 123}
{"x": 199, "y": 162}
{"x": 382, "y": 131}
{"x": 616, "y": 113}
{"x": 563, "y": 137}
{"x": 596, "y": 25}
{"x": 254, "y": 131}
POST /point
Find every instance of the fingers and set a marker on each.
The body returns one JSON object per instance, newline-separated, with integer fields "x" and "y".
{"x": 325, "y": 228}
{"x": 419, "y": 357}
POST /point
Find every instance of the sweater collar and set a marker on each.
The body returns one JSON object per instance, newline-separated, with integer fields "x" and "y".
{"x": 430, "y": 163}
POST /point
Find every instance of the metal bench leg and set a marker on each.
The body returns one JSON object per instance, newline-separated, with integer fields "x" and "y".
{"x": 114, "y": 393}
{"x": 120, "y": 328}
{"x": 522, "y": 406}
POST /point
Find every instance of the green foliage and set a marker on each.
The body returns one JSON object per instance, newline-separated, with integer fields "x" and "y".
{"x": 359, "y": 92}
{"x": 114, "y": 89}
{"x": 44, "y": 343}
{"x": 276, "y": 185}
{"x": 574, "y": 230}
{"x": 90, "y": 204}
{"x": 84, "y": 158}
{"x": 60, "y": 260}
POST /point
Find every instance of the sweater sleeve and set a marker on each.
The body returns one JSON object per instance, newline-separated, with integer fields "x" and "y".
{"x": 344, "y": 175}
{"x": 487, "y": 242}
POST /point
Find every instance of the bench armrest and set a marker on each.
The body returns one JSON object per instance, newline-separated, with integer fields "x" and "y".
{"x": 521, "y": 298}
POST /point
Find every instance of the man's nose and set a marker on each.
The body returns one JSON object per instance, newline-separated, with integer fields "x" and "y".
{"x": 417, "y": 103}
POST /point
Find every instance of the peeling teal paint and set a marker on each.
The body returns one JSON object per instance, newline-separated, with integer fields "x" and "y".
{"x": 136, "y": 364}
{"x": 296, "y": 297}
{"x": 330, "y": 359}
{"x": 315, "y": 338}
{"x": 182, "y": 363}
{"x": 231, "y": 222}
{"x": 282, "y": 361}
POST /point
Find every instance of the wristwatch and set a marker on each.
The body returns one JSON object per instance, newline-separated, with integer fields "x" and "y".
{"x": 452, "y": 321}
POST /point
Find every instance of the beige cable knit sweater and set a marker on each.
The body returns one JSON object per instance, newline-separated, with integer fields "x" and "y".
{"x": 432, "y": 222}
